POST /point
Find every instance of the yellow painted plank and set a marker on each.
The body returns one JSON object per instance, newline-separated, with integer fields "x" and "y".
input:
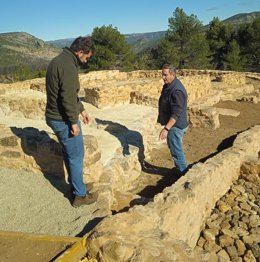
{"x": 74, "y": 253}
{"x": 39, "y": 237}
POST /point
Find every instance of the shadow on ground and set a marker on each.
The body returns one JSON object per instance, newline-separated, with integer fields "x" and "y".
{"x": 47, "y": 154}
{"x": 125, "y": 136}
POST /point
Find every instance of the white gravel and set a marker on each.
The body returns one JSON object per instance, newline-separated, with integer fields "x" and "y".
{"x": 32, "y": 203}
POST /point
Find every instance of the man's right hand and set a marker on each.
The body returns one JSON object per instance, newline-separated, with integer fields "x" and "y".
{"x": 75, "y": 129}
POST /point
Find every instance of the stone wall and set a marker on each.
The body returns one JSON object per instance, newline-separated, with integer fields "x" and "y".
{"x": 173, "y": 221}
{"x": 23, "y": 85}
{"x": 105, "y": 95}
{"x": 106, "y": 76}
{"x": 109, "y": 95}
{"x": 24, "y": 99}
{"x": 232, "y": 79}
{"x": 204, "y": 87}
{"x": 202, "y": 111}
{"x": 39, "y": 151}
{"x": 28, "y": 107}
{"x": 106, "y": 89}
{"x": 110, "y": 88}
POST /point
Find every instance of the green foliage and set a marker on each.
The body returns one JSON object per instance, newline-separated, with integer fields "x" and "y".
{"x": 232, "y": 49}
{"x": 147, "y": 59}
{"x": 248, "y": 37}
{"x": 198, "y": 53}
{"x": 219, "y": 36}
{"x": 39, "y": 73}
{"x": 182, "y": 27}
{"x": 232, "y": 58}
{"x": 143, "y": 61}
{"x": 23, "y": 72}
{"x": 112, "y": 51}
{"x": 167, "y": 53}
{"x": 187, "y": 44}
{"x": 144, "y": 41}
{"x": 184, "y": 44}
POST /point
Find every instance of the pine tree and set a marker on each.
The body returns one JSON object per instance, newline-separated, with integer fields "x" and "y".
{"x": 232, "y": 59}
{"x": 112, "y": 51}
{"x": 249, "y": 40}
{"x": 219, "y": 36}
{"x": 185, "y": 44}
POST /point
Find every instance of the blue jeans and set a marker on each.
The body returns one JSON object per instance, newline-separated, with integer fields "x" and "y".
{"x": 174, "y": 141}
{"x": 73, "y": 154}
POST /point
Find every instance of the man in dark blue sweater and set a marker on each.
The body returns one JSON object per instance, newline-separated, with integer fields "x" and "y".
{"x": 173, "y": 115}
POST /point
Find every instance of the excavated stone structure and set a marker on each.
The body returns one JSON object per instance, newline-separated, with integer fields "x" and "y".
{"x": 157, "y": 230}
{"x": 205, "y": 88}
{"x": 174, "y": 219}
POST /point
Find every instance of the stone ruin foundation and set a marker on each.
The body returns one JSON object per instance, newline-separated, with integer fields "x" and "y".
{"x": 171, "y": 227}
{"x": 210, "y": 214}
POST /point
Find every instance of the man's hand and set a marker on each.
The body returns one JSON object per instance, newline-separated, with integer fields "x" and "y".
{"x": 75, "y": 129}
{"x": 85, "y": 117}
{"x": 163, "y": 134}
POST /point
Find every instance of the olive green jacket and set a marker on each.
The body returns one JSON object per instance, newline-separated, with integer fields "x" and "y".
{"x": 62, "y": 87}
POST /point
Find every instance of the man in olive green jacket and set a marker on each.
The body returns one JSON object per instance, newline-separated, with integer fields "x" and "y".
{"x": 63, "y": 109}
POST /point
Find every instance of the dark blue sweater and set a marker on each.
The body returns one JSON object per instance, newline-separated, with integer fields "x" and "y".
{"x": 173, "y": 103}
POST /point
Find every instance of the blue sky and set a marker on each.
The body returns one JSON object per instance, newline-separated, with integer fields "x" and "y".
{"x": 58, "y": 19}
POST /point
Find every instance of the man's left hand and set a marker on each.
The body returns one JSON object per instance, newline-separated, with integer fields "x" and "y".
{"x": 163, "y": 134}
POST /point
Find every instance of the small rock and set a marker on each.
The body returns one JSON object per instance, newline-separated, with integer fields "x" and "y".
{"x": 232, "y": 252}
{"x": 226, "y": 241}
{"x": 223, "y": 254}
{"x": 241, "y": 248}
{"x": 223, "y": 207}
{"x": 256, "y": 250}
{"x": 249, "y": 256}
{"x": 210, "y": 234}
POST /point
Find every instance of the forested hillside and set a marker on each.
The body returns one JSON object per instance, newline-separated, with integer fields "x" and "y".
{"x": 21, "y": 51}
{"x": 231, "y": 44}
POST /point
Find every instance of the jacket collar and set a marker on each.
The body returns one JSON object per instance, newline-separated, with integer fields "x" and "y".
{"x": 68, "y": 51}
{"x": 171, "y": 85}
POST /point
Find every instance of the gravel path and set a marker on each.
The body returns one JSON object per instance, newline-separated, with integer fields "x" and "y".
{"x": 33, "y": 203}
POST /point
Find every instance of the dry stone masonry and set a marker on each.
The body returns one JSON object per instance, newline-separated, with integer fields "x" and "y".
{"x": 173, "y": 220}
{"x": 181, "y": 223}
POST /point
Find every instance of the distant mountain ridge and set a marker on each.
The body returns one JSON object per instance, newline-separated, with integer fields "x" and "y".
{"x": 140, "y": 41}
{"x": 22, "y": 48}
{"x": 242, "y": 18}
{"x": 60, "y": 43}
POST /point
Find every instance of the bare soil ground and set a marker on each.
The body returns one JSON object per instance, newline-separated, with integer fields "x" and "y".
{"x": 199, "y": 145}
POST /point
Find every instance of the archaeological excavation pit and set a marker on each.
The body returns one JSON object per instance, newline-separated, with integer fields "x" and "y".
{"x": 157, "y": 214}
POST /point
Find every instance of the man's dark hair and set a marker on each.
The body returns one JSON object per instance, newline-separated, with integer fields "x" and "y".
{"x": 171, "y": 68}
{"x": 83, "y": 43}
